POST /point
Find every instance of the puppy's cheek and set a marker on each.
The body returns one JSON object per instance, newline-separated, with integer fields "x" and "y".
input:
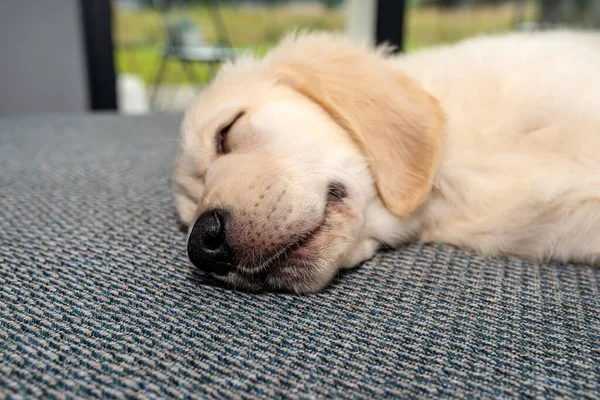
{"x": 359, "y": 253}
{"x": 337, "y": 241}
{"x": 345, "y": 227}
{"x": 346, "y": 233}
{"x": 321, "y": 279}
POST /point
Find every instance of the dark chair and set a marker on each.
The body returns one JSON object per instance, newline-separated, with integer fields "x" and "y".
{"x": 185, "y": 44}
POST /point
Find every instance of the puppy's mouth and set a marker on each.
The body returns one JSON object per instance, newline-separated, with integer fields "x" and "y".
{"x": 291, "y": 265}
{"x": 297, "y": 250}
{"x": 286, "y": 268}
{"x": 287, "y": 253}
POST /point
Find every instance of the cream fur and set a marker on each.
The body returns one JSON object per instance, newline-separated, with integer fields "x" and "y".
{"x": 521, "y": 166}
{"x": 492, "y": 144}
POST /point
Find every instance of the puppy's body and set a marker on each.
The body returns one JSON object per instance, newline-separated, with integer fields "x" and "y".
{"x": 520, "y": 171}
{"x": 492, "y": 144}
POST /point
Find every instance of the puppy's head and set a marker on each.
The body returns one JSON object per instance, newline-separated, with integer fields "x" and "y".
{"x": 289, "y": 166}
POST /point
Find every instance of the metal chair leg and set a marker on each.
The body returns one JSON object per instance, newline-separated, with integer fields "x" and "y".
{"x": 162, "y": 69}
{"x": 188, "y": 68}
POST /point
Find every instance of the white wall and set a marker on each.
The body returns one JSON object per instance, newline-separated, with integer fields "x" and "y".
{"x": 361, "y": 16}
{"x": 42, "y": 59}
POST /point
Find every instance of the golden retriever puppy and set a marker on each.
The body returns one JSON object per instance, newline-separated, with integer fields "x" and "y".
{"x": 307, "y": 161}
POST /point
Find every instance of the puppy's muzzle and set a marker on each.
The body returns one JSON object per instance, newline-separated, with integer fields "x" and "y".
{"x": 208, "y": 248}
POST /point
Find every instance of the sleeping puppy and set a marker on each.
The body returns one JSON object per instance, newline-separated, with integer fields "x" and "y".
{"x": 306, "y": 162}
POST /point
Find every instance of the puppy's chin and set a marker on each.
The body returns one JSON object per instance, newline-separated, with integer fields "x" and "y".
{"x": 296, "y": 274}
{"x": 294, "y": 278}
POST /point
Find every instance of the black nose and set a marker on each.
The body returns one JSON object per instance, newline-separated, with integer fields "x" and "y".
{"x": 207, "y": 245}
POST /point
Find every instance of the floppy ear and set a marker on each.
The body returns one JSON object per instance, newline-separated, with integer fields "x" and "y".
{"x": 397, "y": 124}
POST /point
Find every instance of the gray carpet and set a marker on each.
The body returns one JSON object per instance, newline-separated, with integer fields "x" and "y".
{"x": 97, "y": 299}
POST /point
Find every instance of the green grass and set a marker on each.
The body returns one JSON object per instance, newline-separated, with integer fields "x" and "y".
{"x": 138, "y": 35}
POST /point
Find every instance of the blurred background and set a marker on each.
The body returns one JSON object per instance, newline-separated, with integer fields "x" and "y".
{"x": 142, "y": 56}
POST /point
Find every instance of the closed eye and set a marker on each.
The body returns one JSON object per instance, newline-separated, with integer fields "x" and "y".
{"x": 222, "y": 147}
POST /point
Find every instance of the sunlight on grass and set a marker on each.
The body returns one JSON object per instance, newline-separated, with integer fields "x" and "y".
{"x": 139, "y": 35}
{"x": 431, "y": 26}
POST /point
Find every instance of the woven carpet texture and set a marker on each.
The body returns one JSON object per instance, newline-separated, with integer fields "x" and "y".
{"x": 97, "y": 299}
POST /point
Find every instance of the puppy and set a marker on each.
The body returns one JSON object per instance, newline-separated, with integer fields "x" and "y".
{"x": 306, "y": 162}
